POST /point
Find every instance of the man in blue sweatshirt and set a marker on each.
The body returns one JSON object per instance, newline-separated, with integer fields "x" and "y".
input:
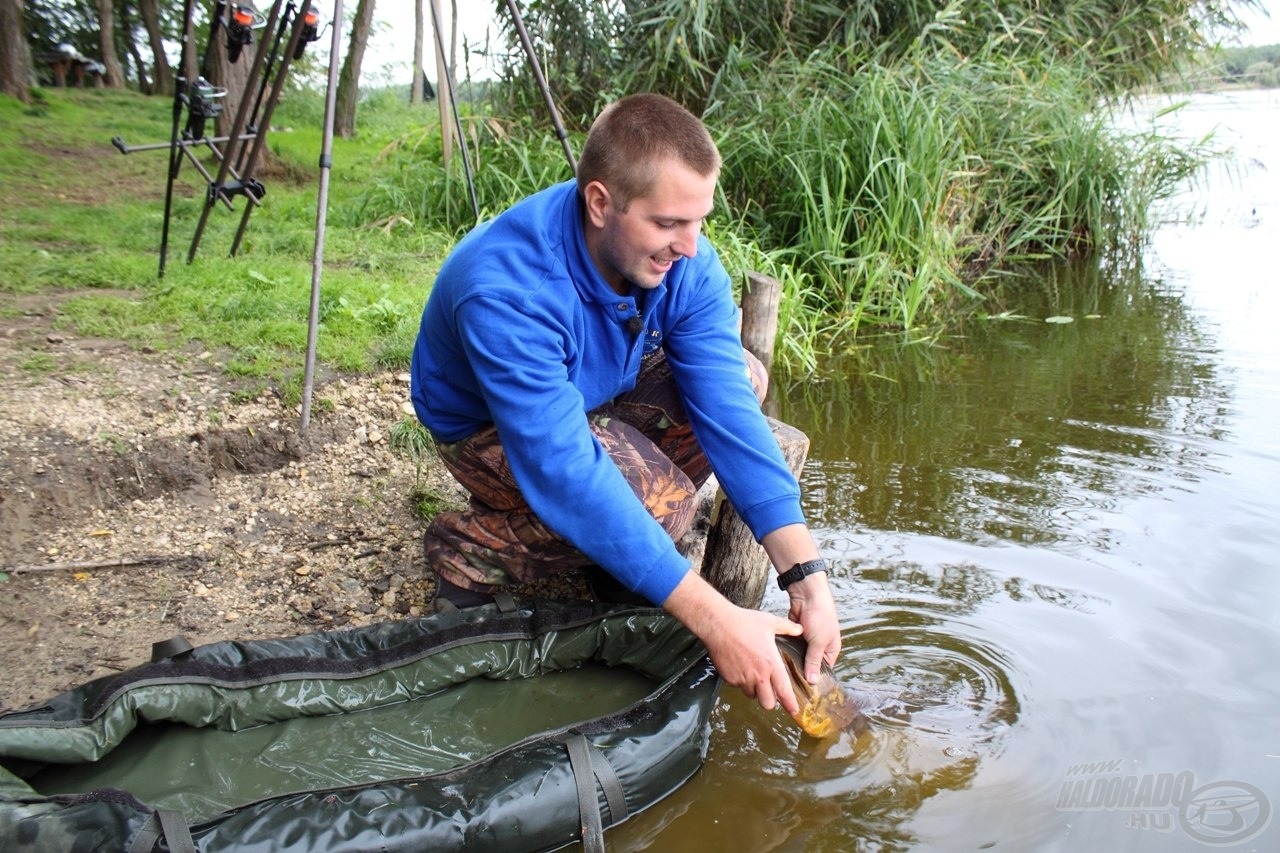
{"x": 579, "y": 367}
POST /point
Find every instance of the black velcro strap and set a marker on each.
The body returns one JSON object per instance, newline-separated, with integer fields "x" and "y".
{"x": 506, "y": 601}
{"x": 169, "y": 825}
{"x": 145, "y": 839}
{"x": 614, "y": 796}
{"x": 584, "y": 777}
{"x": 589, "y": 765}
{"x": 172, "y": 647}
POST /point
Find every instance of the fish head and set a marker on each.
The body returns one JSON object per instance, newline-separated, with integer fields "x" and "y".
{"x": 827, "y": 707}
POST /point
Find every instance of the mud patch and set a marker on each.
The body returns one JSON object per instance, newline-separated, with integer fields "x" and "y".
{"x": 57, "y": 479}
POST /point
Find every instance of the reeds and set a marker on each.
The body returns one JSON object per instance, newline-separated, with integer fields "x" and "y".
{"x": 884, "y": 161}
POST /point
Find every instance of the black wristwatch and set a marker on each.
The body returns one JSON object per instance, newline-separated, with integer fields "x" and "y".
{"x": 800, "y": 571}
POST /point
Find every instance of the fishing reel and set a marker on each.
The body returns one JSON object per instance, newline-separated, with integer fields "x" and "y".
{"x": 310, "y": 31}
{"x": 203, "y": 103}
{"x": 244, "y": 19}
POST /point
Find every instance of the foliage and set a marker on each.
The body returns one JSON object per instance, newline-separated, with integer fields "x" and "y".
{"x": 410, "y": 438}
{"x": 591, "y": 52}
{"x": 1257, "y": 66}
{"x": 885, "y": 161}
{"x": 413, "y": 187}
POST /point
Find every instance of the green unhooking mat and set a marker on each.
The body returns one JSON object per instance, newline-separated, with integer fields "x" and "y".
{"x": 486, "y": 729}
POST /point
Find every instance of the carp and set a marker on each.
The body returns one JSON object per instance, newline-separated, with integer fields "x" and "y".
{"x": 826, "y": 708}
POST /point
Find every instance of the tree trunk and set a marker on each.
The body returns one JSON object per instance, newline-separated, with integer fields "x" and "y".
{"x": 733, "y": 562}
{"x": 126, "y": 21}
{"x": 416, "y": 93}
{"x": 114, "y": 75}
{"x": 15, "y": 61}
{"x": 453, "y": 43}
{"x": 161, "y": 72}
{"x": 344, "y": 113}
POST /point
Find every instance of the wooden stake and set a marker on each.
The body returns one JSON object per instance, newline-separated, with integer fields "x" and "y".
{"x": 760, "y": 299}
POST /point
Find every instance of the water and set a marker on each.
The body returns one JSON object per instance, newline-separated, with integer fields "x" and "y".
{"x": 1062, "y": 540}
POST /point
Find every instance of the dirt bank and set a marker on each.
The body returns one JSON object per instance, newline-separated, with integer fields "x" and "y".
{"x": 150, "y": 494}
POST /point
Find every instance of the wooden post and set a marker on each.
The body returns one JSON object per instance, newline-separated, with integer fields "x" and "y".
{"x": 443, "y": 92}
{"x": 760, "y": 298}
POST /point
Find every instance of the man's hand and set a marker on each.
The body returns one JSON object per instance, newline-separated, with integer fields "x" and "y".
{"x": 812, "y": 605}
{"x": 740, "y": 641}
{"x": 814, "y": 608}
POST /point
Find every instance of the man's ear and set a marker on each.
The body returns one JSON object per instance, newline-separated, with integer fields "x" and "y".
{"x": 595, "y": 196}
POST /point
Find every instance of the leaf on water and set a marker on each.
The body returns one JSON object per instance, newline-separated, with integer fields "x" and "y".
{"x": 1059, "y": 319}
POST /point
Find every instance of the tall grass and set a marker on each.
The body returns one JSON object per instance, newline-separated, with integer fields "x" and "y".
{"x": 886, "y": 195}
{"x": 851, "y": 182}
{"x": 899, "y": 189}
{"x": 509, "y": 160}
{"x": 893, "y": 158}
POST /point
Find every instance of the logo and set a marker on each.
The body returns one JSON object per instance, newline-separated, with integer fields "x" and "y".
{"x": 1222, "y": 813}
{"x": 1218, "y": 814}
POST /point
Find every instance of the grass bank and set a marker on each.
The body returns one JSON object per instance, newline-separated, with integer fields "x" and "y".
{"x": 887, "y": 199}
{"x": 81, "y": 231}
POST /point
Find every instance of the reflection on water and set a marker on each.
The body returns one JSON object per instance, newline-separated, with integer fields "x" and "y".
{"x": 1020, "y": 430}
{"x": 1055, "y": 547}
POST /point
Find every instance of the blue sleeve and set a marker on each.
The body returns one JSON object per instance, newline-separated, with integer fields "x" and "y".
{"x": 704, "y": 350}
{"x": 562, "y": 471}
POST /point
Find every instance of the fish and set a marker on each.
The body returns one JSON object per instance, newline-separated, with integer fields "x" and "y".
{"x": 827, "y": 708}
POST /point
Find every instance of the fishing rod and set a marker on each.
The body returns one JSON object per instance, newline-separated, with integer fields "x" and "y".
{"x": 219, "y": 189}
{"x": 542, "y": 83}
{"x": 285, "y": 20}
{"x": 202, "y": 101}
{"x": 175, "y": 156}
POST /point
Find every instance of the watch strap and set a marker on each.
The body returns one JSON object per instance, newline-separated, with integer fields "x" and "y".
{"x": 800, "y": 571}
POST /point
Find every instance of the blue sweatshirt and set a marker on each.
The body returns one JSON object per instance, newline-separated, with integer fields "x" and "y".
{"x": 522, "y": 331}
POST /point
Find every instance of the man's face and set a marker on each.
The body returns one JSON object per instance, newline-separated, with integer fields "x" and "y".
{"x": 637, "y": 246}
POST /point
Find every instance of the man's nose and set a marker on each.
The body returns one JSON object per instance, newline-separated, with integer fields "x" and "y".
{"x": 686, "y": 240}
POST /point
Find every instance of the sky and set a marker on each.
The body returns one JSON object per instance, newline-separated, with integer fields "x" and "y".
{"x": 391, "y": 48}
{"x": 1263, "y": 30}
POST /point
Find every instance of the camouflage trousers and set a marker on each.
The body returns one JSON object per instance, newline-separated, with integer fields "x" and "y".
{"x": 499, "y": 540}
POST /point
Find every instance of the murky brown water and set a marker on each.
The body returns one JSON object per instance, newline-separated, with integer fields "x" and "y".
{"x": 1064, "y": 541}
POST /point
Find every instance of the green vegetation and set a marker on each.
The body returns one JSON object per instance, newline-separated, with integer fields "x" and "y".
{"x": 1252, "y": 67}
{"x": 889, "y": 163}
{"x": 411, "y": 439}
{"x": 83, "y": 224}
